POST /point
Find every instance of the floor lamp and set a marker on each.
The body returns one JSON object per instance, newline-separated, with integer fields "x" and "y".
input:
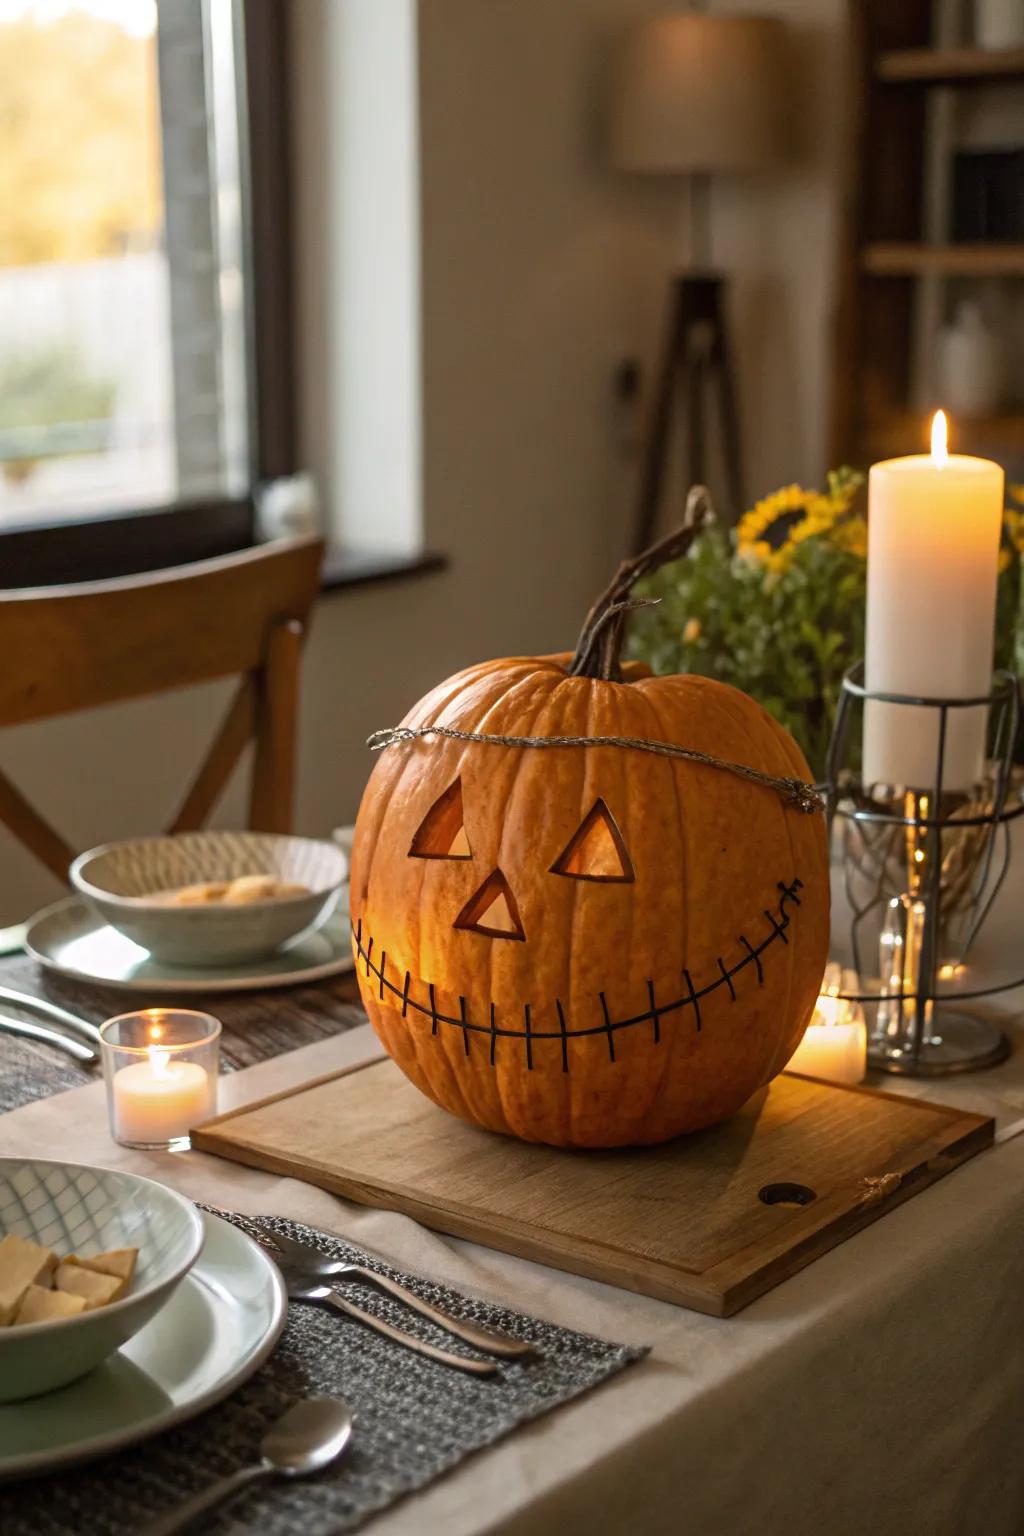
{"x": 697, "y": 95}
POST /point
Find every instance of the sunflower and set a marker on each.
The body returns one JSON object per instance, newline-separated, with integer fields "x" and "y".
{"x": 778, "y": 524}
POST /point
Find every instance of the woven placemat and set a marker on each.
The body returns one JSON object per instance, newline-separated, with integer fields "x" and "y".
{"x": 414, "y": 1419}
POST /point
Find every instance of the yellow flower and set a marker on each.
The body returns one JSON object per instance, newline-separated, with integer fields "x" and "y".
{"x": 1017, "y": 492}
{"x": 1004, "y": 559}
{"x": 691, "y": 631}
{"x": 851, "y": 533}
{"x": 1013, "y": 522}
{"x": 775, "y": 526}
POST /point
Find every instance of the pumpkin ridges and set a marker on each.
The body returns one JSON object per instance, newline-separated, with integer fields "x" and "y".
{"x": 671, "y": 1045}
{"x": 691, "y": 1081}
{"x": 645, "y": 791}
{"x": 773, "y": 734}
{"x": 565, "y": 773}
{"x": 434, "y": 703}
{"x": 740, "y": 738}
{"x": 515, "y": 695}
{"x": 538, "y": 725}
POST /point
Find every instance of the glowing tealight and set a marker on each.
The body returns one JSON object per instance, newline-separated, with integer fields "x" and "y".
{"x": 835, "y": 1042}
{"x": 160, "y": 1099}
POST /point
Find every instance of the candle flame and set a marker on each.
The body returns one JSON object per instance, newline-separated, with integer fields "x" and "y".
{"x": 940, "y": 440}
{"x": 158, "y": 1059}
{"x": 830, "y": 1010}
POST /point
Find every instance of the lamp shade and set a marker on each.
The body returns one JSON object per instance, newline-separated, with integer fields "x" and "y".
{"x": 701, "y": 93}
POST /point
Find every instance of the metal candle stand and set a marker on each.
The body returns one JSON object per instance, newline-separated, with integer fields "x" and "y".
{"x": 895, "y": 837}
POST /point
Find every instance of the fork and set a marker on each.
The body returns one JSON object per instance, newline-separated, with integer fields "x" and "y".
{"x": 302, "y": 1286}
{"x": 316, "y": 1265}
{"x": 48, "y": 1010}
{"x": 76, "y": 1048}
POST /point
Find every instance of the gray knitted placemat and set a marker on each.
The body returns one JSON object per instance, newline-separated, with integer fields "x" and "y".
{"x": 414, "y": 1419}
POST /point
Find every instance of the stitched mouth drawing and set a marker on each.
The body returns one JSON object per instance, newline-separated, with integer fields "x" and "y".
{"x": 418, "y": 997}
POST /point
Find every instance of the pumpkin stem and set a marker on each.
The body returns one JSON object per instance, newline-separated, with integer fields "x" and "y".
{"x": 599, "y": 647}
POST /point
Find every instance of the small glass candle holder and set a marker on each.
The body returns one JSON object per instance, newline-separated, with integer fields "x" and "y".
{"x": 160, "y": 1068}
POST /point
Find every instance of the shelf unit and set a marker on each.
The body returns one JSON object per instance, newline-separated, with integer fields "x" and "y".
{"x": 908, "y": 259}
{"x": 948, "y": 66}
{"x": 888, "y": 263}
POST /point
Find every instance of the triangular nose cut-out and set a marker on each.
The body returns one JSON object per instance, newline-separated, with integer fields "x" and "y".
{"x": 597, "y": 850}
{"x": 442, "y": 834}
{"x": 492, "y": 910}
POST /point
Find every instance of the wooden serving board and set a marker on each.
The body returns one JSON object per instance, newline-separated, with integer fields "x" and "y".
{"x": 686, "y": 1221}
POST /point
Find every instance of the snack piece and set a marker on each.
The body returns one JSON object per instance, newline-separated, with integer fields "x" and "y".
{"x": 42, "y": 1306}
{"x": 247, "y": 888}
{"x": 22, "y": 1263}
{"x": 251, "y": 888}
{"x": 200, "y": 895}
{"x": 96, "y": 1289}
{"x": 238, "y": 892}
{"x": 118, "y": 1261}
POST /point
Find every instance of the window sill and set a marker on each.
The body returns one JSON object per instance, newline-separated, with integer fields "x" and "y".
{"x": 359, "y": 568}
{"x": 128, "y": 544}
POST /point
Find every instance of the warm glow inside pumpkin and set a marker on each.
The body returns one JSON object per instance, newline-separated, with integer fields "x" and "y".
{"x": 588, "y": 946}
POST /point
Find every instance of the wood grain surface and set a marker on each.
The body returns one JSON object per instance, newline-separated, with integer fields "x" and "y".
{"x": 684, "y": 1222}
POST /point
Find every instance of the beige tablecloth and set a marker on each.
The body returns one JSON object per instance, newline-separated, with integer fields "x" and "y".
{"x": 879, "y": 1391}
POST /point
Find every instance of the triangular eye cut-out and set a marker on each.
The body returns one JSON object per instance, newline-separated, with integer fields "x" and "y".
{"x": 442, "y": 834}
{"x": 492, "y": 910}
{"x": 597, "y": 850}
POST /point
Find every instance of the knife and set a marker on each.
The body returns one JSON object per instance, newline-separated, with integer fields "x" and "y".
{"x": 75, "y": 1048}
{"x": 49, "y": 1010}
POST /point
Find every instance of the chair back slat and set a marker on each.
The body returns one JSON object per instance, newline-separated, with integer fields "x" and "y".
{"x": 64, "y": 649}
{"x": 77, "y": 647}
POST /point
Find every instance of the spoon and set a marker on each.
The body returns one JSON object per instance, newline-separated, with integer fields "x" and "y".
{"x": 306, "y": 1439}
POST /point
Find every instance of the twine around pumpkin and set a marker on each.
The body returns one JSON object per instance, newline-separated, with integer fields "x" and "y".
{"x": 795, "y": 792}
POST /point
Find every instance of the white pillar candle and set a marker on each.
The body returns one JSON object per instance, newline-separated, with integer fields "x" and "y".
{"x": 835, "y": 1042}
{"x": 160, "y": 1099}
{"x": 934, "y": 524}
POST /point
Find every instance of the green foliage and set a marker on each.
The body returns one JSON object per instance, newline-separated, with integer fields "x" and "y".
{"x": 50, "y": 387}
{"x": 785, "y": 637}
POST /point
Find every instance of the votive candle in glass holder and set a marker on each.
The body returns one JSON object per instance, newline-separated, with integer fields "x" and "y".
{"x": 160, "y": 1068}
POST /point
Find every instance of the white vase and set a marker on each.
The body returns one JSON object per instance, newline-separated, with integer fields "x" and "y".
{"x": 972, "y": 365}
{"x": 999, "y": 23}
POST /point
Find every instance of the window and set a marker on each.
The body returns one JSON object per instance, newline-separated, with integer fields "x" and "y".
{"x": 126, "y": 284}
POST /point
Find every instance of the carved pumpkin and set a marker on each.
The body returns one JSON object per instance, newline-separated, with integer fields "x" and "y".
{"x": 589, "y": 946}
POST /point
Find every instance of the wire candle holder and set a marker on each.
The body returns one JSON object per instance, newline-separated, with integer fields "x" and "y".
{"x": 921, "y": 870}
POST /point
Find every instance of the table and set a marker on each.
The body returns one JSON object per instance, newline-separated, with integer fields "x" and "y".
{"x": 880, "y": 1389}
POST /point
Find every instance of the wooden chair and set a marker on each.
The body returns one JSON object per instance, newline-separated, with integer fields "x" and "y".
{"x": 76, "y": 647}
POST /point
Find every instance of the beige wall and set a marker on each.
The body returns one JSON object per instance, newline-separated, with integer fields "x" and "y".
{"x": 539, "y": 272}
{"x": 776, "y": 237}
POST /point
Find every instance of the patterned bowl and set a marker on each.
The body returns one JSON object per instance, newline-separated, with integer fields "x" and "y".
{"x": 75, "y": 1209}
{"x": 121, "y": 881}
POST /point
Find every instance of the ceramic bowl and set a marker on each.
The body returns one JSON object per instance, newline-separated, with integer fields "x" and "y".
{"x": 121, "y": 880}
{"x": 76, "y": 1209}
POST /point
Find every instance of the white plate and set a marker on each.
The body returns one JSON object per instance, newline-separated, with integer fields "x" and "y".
{"x": 217, "y": 1329}
{"x": 72, "y": 940}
